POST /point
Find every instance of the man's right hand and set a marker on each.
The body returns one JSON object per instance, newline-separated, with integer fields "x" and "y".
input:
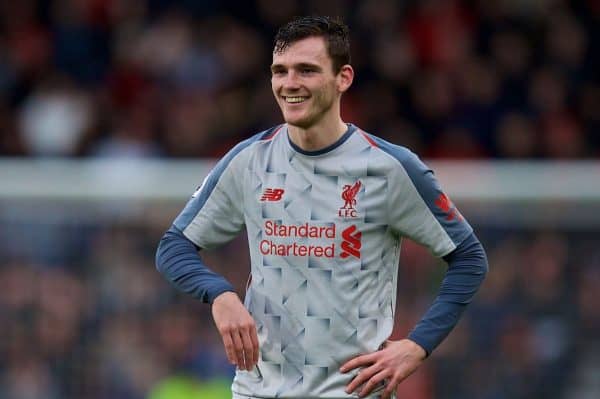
{"x": 238, "y": 330}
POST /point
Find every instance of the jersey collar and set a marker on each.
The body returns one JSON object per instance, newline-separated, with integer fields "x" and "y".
{"x": 351, "y": 129}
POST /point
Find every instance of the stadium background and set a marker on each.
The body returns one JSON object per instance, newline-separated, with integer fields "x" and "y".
{"x": 502, "y": 96}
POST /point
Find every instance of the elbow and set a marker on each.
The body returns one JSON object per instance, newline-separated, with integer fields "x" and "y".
{"x": 483, "y": 271}
{"x": 485, "y": 268}
{"x": 167, "y": 248}
{"x": 160, "y": 255}
{"x": 172, "y": 249}
{"x": 476, "y": 252}
{"x": 479, "y": 261}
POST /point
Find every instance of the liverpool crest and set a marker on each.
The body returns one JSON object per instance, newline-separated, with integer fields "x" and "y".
{"x": 349, "y": 193}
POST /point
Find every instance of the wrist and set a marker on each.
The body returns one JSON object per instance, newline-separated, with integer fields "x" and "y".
{"x": 225, "y": 295}
{"x": 417, "y": 349}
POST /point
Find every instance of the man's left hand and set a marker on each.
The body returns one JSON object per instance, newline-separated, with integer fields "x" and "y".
{"x": 392, "y": 364}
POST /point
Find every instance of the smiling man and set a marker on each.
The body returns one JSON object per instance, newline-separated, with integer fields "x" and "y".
{"x": 325, "y": 206}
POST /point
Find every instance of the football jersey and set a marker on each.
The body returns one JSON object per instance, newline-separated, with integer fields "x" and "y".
{"x": 324, "y": 230}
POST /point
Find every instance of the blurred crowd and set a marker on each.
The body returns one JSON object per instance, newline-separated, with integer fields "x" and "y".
{"x": 185, "y": 78}
{"x": 84, "y": 314}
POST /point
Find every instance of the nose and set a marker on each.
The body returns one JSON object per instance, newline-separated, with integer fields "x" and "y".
{"x": 291, "y": 81}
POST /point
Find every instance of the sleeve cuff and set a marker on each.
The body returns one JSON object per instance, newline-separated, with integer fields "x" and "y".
{"x": 421, "y": 342}
{"x": 218, "y": 291}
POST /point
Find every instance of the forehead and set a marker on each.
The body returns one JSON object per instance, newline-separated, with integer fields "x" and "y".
{"x": 309, "y": 50}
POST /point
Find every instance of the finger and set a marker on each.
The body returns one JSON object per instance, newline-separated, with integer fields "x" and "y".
{"x": 361, "y": 378}
{"x": 228, "y": 344}
{"x": 374, "y": 381}
{"x": 359, "y": 361}
{"x": 391, "y": 388}
{"x": 248, "y": 350}
{"x": 238, "y": 348}
{"x": 255, "y": 344}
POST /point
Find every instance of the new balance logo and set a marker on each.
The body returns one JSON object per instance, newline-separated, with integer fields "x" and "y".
{"x": 272, "y": 194}
{"x": 351, "y": 244}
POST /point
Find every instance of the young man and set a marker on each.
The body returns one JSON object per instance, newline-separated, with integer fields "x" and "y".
{"x": 325, "y": 206}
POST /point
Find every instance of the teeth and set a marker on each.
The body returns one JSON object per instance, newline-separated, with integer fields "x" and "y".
{"x": 294, "y": 99}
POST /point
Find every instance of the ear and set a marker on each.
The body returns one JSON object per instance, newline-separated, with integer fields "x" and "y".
{"x": 344, "y": 78}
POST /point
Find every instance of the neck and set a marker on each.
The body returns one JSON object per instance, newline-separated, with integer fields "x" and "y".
{"x": 317, "y": 137}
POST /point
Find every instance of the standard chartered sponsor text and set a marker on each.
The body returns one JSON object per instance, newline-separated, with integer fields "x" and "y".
{"x": 305, "y": 230}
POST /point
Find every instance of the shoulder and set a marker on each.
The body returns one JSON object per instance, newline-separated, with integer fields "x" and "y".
{"x": 397, "y": 154}
{"x": 262, "y": 137}
{"x": 242, "y": 147}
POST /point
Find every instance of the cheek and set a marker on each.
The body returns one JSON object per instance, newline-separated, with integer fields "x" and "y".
{"x": 276, "y": 84}
{"x": 327, "y": 93}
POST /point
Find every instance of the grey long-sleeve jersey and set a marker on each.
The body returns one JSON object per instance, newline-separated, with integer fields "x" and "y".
{"x": 324, "y": 230}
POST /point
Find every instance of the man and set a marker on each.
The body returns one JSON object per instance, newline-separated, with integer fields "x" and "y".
{"x": 325, "y": 206}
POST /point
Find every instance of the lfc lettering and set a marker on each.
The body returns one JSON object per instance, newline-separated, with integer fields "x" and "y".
{"x": 347, "y": 213}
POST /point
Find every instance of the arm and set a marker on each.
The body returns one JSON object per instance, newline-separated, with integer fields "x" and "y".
{"x": 467, "y": 266}
{"x": 178, "y": 261}
{"x": 212, "y": 217}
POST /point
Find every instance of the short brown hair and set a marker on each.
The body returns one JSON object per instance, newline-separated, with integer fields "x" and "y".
{"x": 332, "y": 29}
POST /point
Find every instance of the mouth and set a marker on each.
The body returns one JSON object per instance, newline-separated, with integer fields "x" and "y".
{"x": 294, "y": 99}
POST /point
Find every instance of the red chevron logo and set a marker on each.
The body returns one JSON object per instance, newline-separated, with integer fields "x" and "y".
{"x": 352, "y": 243}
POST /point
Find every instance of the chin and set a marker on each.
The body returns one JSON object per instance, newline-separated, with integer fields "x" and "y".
{"x": 302, "y": 122}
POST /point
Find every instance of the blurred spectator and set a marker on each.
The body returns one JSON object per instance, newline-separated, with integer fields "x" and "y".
{"x": 441, "y": 31}
{"x": 133, "y": 136}
{"x": 28, "y": 378}
{"x": 566, "y": 44}
{"x": 588, "y": 108}
{"x": 55, "y": 117}
{"x": 516, "y": 137}
{"x": 563, "y": 138}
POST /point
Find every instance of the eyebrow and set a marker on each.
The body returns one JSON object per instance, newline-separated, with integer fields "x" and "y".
{"x": 301, "y": 65}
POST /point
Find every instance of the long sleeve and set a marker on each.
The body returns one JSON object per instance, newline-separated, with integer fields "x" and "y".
{"x": 467, "y": 267}
{"x": 178, "y": 261}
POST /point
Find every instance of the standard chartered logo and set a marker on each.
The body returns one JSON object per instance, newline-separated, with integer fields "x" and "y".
{"x": 352, "y": 242}
{"x": 280, "y": 241}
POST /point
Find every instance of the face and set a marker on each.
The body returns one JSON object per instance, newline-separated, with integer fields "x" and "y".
{"x": 304, "y": 84}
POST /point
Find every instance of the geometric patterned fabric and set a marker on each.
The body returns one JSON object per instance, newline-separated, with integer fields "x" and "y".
{"x": 324, "y": 230}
